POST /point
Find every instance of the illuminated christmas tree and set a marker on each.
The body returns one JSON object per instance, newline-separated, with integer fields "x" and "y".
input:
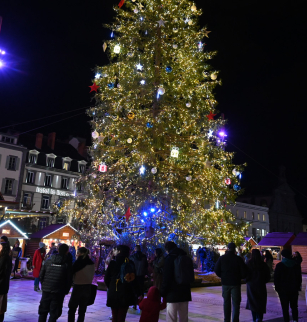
{"x": 158, "y": 147}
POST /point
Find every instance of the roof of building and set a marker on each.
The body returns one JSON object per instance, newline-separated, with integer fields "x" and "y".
{"x": 8, "y": 222}
{"x": 49, "y": 230}
{"x": 300, "y": 240}
{"x": 277, "y": 239}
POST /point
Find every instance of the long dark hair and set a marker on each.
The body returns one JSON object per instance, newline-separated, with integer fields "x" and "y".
{"x": 255, "y": 261}
{"x": 159, "y": 252}
{"x": 5, "y": 249}
{"x": 268, "y": 255}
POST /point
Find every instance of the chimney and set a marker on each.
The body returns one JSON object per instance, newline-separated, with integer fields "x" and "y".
{"x": 39, "y": 140}
{"x": 82, "y": 149}
{"x": 51, "y": 140}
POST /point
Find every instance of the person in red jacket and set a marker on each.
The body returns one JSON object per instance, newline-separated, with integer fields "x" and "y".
{"x": 151, "y": 306}
{"x": 38, "y": 259}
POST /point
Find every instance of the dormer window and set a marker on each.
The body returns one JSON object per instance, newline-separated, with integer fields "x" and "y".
{"x": 66, "y": 163}
{"x": 50, "y": 160}
{"x": 33, "y": 155}
{"x": 82, "y": 166}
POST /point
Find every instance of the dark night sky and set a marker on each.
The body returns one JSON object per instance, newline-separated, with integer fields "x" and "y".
{"x": 53, "y": 46}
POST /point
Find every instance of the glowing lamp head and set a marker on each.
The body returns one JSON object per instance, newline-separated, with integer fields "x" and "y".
{"x": 152, "y": 209}
{"x": 2, "y": 52}
{"x": 145, "y": 213}
{"x": 117, "y": 49}
{"x": 222, "y": 134}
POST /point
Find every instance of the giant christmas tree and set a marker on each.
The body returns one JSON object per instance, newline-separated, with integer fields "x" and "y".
{"x": 158, "y": 147}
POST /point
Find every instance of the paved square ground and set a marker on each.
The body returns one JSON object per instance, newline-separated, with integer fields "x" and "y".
{"x": 207, "y": 305}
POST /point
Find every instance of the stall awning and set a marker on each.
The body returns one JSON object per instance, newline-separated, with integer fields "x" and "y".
{"x": 300, "y": 240}
{"x": 277, "y": 239}
{"x": 52, "y": 231}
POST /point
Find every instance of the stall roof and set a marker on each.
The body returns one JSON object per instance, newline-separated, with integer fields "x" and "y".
{"x": 277, "y": 239}
{"x": 8, "y": 222}
{"x": 300, "y": 240}
{"x": 49, "y": 230}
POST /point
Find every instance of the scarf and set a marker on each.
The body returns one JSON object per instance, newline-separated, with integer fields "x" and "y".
{"x": 80, "y": 263}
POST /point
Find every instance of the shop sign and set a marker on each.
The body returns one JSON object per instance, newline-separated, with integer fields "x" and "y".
{"x": 50, "y": 191}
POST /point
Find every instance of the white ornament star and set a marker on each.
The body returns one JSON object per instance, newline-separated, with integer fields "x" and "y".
{"x": 187, "y": 20}
{"x": 210, "y": 134}
{"x": 142, "y": 82}
{"x": 97, "y": 76}
{"x": 139, "y": 66}
{"x": 161, "y": 23}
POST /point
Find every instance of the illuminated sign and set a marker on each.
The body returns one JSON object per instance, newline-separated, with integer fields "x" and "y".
{"x": 6, "y": 231}
{"x": 50, "y": 191}
{"x": 65, "y": 234}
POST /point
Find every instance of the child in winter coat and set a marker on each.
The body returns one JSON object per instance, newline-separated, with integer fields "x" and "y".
{"x": 151, "y": 306}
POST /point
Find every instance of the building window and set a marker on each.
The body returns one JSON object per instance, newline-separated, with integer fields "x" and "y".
{"x": 45, "y": 202}
{"x": 48, "y": 180}
{"x": 82, "y": 168}
{"x": 12, "y": 163}
{"x": 8, "y": 189}
{"x": 7, "y": 139}
{"x": 27, "y": 199}
{"x": 66, "y": 165}
{"x": 30, "y": 177}
{"x": 237, "y": 213}
{"x": 263, "y": 217}
{"x": 79, "y": 187}
{"x": 33, "y": 158}
{"x": 253, "y": 216}
{"x": 263, "y": 232}
{"x": 64, "y": 183}
{"x": 42, "y": 223}
{"x": 245, "y": 214}
{"x": 50, "y": 162}
{"x": 258, "y": 216}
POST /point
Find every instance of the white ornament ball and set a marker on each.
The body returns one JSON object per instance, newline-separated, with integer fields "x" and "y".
{"x": 235, "y": 172}
{"x": 154, "y": 170}
{"x": 95, "y": 135}
{"x": 188, "y": 104}
{"x": 136, "y": 10}
{"x": 213, "y": 76}
{"x": 193, "y": 8}
{"x": 175, "y": 46}
{"x": 129, "y": 140}
{"x": 161, "y": 91}
{"x": 190, "y": 22}
{"x": 189, "y": 178}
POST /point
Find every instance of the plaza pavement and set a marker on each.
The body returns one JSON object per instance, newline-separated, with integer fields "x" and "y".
{"x": 207, "y": 305}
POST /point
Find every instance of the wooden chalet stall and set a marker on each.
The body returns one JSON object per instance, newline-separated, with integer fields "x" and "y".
{"x": 275, "y": 243}
{"x": 300, "y": 245}
{"x": 12, "y": 232}
{"x": 58, "y": 234}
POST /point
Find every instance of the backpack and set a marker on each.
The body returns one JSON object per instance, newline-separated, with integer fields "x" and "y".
{"x": 127, "y": 272}
{"x": 184, "y": 270}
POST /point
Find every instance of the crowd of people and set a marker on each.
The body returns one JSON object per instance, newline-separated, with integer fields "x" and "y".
{"x": 172, "y": 275}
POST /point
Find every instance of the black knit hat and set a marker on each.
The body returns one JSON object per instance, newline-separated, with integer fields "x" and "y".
{"x": 232, "y": 246}
{"x": 286, "y": 253}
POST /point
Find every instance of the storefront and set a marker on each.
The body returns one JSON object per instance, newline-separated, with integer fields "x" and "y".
{"x": 58, "y": 234}
{"x": 12, "y": 232}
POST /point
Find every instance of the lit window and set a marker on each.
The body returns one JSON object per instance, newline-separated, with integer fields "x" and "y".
{"x": 258, "y": 216}
{"x": 263, "y": 217}
{"x": 48, "y": 180}
{"x": 66, "y": 166}
{"x": 245, "y": 214}
{"x": 27, "y": 199}
{"x": 12, "y": 163}
{"x": 30, "y": 177}
{"x": 8, "y": 189}
{"x": 33, "y": 158}
{"x": 45, "y": 202}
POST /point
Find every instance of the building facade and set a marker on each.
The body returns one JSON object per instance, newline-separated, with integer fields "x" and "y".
{"x": 12, "y": 164}
{"x": 256, "y": 216}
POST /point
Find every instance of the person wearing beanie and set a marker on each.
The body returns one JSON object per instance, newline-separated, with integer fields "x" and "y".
{"x": 287, "y": 281}
{"x": 231, "y": 269}
{"x": 38, "y": 259}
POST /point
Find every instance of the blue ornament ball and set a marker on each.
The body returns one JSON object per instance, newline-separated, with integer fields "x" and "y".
{"x": 111, "y": 85}
{"x": 169, "y": 69}
{"x": 236, "y": 187}
{"x": 149, "y": 125}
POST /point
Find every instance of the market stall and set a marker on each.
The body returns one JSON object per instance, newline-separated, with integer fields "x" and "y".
{"x": 58, "y": 234}
{"x": 300, "y": 245}
{"x": 275, "y": 243}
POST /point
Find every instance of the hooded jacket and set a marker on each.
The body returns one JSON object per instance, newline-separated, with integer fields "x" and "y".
{"x": 151, "y": 306}
{"x": 172, "y": 291}
{"x": 287, "y": 276}
{"x": 140, "y": 262}
{"x": 56, "y": 274}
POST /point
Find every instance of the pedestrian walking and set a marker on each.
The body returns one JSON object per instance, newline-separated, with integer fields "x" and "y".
{"x": 288, "y": 280}
{"x": 120, "y": 281}
{"x": 268, "y": 258}
{"x": 151, "y": 306}
{"x": 83, "y": 273}
{"x": 38, "y": 258}
{"x": 231, "y": 269}
{"x": 5, "y": 274}
{"x": 178, "y": 273}
{"x": 56, "y": 279}
{"x": 158, "y": 264}
{"x": 17, "y": 252}
{"x": 141, "y": 267}
{"x": 257, "y": 276}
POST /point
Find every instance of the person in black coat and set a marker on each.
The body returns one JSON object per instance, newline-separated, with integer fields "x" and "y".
{"x": 231, "y": 269}
{"x": 56, "y": 279}
{"x": 5, "y": 273}
{"x": 119, "y": 295}
{"x": 177, "y": 296}
{"x": 288, "y": 280}
{"x": 257, "y": 276}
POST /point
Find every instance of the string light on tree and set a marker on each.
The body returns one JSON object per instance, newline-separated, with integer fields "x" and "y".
{"x": 175, "y": 152}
